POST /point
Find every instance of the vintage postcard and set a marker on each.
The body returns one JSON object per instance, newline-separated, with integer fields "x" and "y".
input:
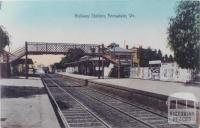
{"x": 100, "y": 64}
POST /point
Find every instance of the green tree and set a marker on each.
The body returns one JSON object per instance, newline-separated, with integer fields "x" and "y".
{"x": 144, "y": 56}
{"x": 184, "y": 34}
{"x": 4, "y": 38}
{"x": 113, "y": 45}
{"x": 159, "y": 55}
{"x": 72, "y": 55}
{"x": 171, "y": 59}
{"x": 166, "y": 58}
{"x": 147, "y": 55}
{"x": 57, "y": 66}
{"x": 0, "y": 4}
{"x": 154, "y": 55}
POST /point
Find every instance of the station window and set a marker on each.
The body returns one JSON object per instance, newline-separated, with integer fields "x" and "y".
{"x": 190, "y": 104}
{"x": 181, "y": 104}
{"x": 173, "y": 104}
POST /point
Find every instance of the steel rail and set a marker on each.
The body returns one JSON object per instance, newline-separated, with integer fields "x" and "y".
{"x": 86, "y": 108}
{"x": 147, "y": 124}
{"x": 64, "y": 122}
{"x": 122, "y": 100}
{"x": 126, "y": 102}
{"x": 141, "y": 121}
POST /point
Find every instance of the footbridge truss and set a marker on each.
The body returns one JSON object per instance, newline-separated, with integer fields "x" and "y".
{"x": 39, "y": 48}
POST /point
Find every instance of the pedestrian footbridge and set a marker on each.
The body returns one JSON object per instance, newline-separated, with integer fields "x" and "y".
{"x": 40, "y": 48}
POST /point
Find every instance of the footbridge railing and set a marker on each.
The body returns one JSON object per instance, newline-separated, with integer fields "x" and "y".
{"x": 59, "y": 48}
{"x": 38, "y": 48}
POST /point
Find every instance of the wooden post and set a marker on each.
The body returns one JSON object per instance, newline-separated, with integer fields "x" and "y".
{"x": 8, "y": 65}
{"x": 94, "y": 68}
{"x": 37, "y": 47}
{"x": 46, "y": 48}
{"x": 102, "y": 61}
{"x": 118, "y": 67}
{"x": 26, "y": 64}
{"x": 86, "y": 67}
{"x": 99, "y": 62}
{"x": 56, "y": 48}
{"x": 86, "y": 82}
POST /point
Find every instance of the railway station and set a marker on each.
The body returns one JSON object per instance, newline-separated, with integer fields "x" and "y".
{"x": 72, "y": 71}
{"x": 82, "y": 92}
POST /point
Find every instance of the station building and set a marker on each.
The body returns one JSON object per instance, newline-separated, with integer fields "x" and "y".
{"x": 114, "y": 62}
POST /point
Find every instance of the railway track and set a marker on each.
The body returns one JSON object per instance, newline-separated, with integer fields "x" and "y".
{"x": 136, "y": 116}
{"x": 74, "y": 113}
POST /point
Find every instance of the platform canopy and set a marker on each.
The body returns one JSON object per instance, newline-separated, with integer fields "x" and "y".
{"x": 22, "y": 61}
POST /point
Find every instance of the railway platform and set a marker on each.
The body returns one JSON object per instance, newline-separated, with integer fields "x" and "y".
{"x": 25, "y": 104}
{"x": 147, "y": 86}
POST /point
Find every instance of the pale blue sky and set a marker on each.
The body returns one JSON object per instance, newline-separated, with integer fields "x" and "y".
{"x": 54, "y": 21}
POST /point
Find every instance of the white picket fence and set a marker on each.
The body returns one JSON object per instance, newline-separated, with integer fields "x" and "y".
{"x": 168, "y": 72}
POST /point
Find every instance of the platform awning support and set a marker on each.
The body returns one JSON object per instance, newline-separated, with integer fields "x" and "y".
{"x": 26, "y": 59}
{"x": 102, "y": 62}
{"x": 99, "y": 62}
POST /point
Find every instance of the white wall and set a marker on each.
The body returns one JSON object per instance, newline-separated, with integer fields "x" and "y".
{"x": 142, "y": 73}
{"x": 108, "y": 69}
{"x": 168, "y": 72}
{"x": 71, "y": 69}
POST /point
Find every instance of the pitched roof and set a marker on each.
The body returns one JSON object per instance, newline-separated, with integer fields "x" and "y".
{"x": 119, "y": 49}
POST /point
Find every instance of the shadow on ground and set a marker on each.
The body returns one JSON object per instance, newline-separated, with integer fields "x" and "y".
{"x": 20, "y": 91}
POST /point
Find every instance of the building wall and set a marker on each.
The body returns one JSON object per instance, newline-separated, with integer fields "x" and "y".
{"x": 168, "y": 72}
{"x": 135, "y": 57}
{"x": 107, "y": 70}
{"x": 3, "y": 65}
{"x": 142, "y": 73}
{"x": 72, "y": 69}
{"x": 3, "y": 70}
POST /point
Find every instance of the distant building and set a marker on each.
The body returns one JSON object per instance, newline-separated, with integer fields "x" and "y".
{"x": 87, "y": 65}
{"x": 135, "y": 56}
{"x": 18, "y": 67}
{"x": 122, "y": 60}
{"x": 121, "y": 54}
